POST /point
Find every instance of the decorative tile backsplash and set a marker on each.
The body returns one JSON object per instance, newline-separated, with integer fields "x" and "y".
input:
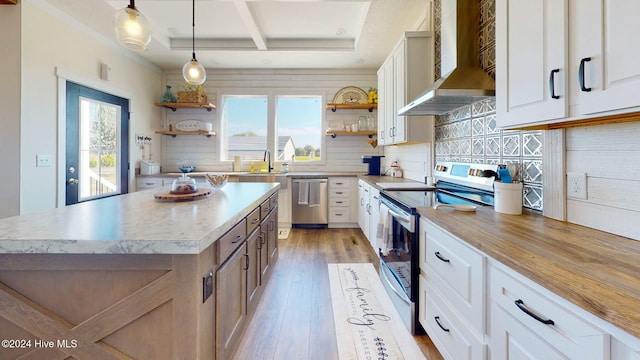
{"x": 469, "y": 133}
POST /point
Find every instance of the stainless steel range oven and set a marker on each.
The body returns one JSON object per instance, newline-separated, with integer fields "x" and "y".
{"x": 399, "y": 267}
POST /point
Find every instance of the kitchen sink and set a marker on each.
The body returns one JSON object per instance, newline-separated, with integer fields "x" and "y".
{"x": 265, "y": 177}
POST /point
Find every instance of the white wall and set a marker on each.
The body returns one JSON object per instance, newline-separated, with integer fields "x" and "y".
{"x": 609, "y": 155}
{"x": 10, "y": 110}
{"x": 344, "y": 153}
{"x": 52, "y": 42}
{"x": 415, "y": 160}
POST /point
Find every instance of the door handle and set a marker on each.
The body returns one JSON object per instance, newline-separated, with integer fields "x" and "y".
{"x": 73, "y": 181}
{"x": 552, "y": 83}
{"x": 581, "y": 74}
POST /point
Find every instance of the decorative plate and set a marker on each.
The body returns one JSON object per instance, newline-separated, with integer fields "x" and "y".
{"x": 188, "y": 125}
{"x": 350, "y": 95}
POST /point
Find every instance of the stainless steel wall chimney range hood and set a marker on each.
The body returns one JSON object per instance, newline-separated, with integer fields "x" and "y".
{"x": 465, "y": 82}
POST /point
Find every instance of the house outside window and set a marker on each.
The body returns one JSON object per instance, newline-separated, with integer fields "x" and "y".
{"x": 290, "y": 126}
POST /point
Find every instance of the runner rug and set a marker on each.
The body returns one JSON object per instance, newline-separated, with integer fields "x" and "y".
{"x": 367, "y": 324}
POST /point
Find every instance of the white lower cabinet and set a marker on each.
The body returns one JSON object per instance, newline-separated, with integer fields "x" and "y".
{"x": 474, "y": 307}
{"x": 622, "y": 351}
{"x": 368, "y": 211}
{"x": 450, "y": 334}
{"x": 151, "y": 182}
{"x": 342, "y": 202}
{"x": 452, "y": 293}
{"x": 526, "y": 324}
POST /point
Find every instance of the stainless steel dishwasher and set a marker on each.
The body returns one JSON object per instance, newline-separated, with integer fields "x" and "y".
{"x": 309, "y": 202}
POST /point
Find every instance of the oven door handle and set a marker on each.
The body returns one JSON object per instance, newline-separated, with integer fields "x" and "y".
{"x": 385, "y": 269}
{"x": 405, "y": 221}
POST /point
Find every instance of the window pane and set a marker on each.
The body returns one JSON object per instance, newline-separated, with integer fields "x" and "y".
{"x": 98, "y": 165}
{"x": 299, "y": 120}
{"x": 245, "y": 124}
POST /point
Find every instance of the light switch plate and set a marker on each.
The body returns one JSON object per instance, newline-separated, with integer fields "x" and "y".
{"x": 43, "y": 160}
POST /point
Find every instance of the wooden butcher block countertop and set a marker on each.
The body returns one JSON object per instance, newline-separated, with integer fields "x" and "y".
{"x": 595, "y": 270}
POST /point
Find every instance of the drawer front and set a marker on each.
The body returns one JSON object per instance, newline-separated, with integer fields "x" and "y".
{"x": 339, "y": 214}
{"x": 149, "y": 183}
{"x": 458, "y": 272}
{"x": 265, "y": 209}
{"x": 340, "y": 182}
{"x": 340, "y": 202}
{"x": 569, "y": 334}
{"x": 510, "y": 339}
{"x": 448, "y": 333}
{"x": 338, "y": 193}
{"x": 253, "y": 220}
{"x": 231, "y": 240}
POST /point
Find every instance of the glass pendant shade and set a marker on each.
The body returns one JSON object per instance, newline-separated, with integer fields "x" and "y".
{"x": 132, "y": 29}
{"x": 194, "y": 73}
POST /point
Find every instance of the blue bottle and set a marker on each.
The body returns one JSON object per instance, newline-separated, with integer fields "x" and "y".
{"x": 168, "y": 97}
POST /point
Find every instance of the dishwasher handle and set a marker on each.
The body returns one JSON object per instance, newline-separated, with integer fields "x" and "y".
{"x": 309, "y": 180}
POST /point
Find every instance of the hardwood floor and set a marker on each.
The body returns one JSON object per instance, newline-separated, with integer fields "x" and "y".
{"x": 294, "y": 319}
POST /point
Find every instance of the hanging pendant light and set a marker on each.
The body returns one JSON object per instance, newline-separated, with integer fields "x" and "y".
{"x": 132, "y": 28}
{"x": 193, "y": 72}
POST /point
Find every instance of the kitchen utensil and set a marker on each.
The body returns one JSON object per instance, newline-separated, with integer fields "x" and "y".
{"x": 489, "y": 173}
{"x": 504, "y": 175}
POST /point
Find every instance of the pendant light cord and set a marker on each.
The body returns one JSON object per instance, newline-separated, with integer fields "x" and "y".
{"x": 193, "y": 23}
{"x": 132, "y": 4}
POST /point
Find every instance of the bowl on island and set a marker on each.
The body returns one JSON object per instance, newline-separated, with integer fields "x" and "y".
{"x": 187, "y": 168}
{"x": 216, "y": 181}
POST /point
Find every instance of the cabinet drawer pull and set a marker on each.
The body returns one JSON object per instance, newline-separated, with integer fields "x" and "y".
{"x": 272, "y": 225}
{"x": 552, "y": 83}
{"x": 339, "y": 192}
{"x": 238, "y": 238}
{"x": 339, "y": 202}
{"x": 255, "y": 221}
{"x": 442, "y": 258}
{"x": 263, "y": 236}
{"x": 246, "y": 256}
{"x": 581, "y": 74}
{"x": 339, "y": 183}
{"x": 520, "y": 304}
{"x": 437, "y": 318}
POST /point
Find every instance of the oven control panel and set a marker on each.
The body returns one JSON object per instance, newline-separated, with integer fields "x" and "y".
{"x": 481, "y": 176}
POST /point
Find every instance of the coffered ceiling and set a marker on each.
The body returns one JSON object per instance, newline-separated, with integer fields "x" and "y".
{"x": 293, "y": 34}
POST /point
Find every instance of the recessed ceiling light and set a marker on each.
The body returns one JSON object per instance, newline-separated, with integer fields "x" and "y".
{"x": 340, "y": 31}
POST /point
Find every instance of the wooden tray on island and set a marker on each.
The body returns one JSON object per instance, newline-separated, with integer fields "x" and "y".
{"x": 168, "y": 196}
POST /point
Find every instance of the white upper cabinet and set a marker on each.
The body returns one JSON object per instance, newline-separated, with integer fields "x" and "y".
{"x": 531, "y": 61}
{"x": 604, "y": 55}
{"x": 589, "y": 42}
{"x": 404, "y": 75}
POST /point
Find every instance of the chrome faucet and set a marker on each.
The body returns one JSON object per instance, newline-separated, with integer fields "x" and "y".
{"x": 267, "y": 158}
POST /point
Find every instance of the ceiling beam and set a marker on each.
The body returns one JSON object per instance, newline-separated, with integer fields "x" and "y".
{"x": 272, "y": 45}
{"x": 250, "y": 22}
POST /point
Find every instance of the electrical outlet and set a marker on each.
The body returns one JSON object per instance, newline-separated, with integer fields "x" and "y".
{"x": 43, "y": 160}
{"x": 577, "y": 185}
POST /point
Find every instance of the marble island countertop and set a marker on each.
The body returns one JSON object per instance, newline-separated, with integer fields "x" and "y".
{"x": 134, "y": 223}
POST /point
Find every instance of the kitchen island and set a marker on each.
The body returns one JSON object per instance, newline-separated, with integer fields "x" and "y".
{"x": 130, "y": 276}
